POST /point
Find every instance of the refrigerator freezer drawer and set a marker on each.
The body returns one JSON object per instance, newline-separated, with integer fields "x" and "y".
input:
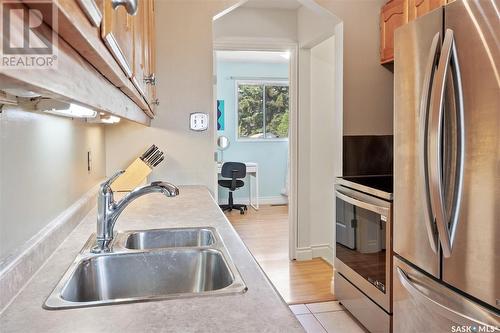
{"x": 367, "y": 312}
{"x": 422, "y": 304}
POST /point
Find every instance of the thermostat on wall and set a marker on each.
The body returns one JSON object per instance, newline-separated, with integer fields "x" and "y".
{"x": 198, "y": 121}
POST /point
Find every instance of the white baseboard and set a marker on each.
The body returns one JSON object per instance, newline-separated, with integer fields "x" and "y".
{"x": 303, "y": 253}
{"x": 275, "y": 200}
{"x": 315, "y": 251}
{"x": 323, "y": 251}
{"x": 332, "y": 283}
{"x": 18, "y": 268}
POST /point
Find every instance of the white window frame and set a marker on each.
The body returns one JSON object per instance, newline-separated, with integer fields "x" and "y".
{"x": 263, "y": 82}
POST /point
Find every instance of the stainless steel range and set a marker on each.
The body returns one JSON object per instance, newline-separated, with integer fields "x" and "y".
{"x": 363, "y": 252}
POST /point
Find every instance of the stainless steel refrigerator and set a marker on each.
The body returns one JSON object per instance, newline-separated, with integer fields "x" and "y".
{"x": 447, "y": 170}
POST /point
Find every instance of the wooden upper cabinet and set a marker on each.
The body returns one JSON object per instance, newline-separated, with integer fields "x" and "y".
{"x": 417, "y": 8}
{"x": 119, "y": 46}
{"x": 118, "y": 34}
{"x": 392, "y": 15}
{"x": 396, "y": 13}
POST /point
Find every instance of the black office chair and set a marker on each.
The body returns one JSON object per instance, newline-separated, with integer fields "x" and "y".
{"x": 235, "y": 171}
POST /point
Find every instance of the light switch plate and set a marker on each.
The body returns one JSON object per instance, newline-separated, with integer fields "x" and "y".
{"x": 198, "y": 121}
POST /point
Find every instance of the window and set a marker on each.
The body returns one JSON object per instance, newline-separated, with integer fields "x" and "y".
{"x": 263, "y": 110}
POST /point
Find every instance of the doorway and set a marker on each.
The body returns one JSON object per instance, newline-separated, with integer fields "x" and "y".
{"x": 280, "y": 239}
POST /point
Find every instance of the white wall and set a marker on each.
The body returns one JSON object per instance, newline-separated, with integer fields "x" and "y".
{"x": 322, "y": 143}
{"x": 184, "y": 85}
{"x": 253, "y": 23}
{"x": 316, "y": 127}
{"x": 304, "y": 151}
{"x": 43, "y": 170}
{"x": 368, "y": 86}
{"x": 314, "y": 26}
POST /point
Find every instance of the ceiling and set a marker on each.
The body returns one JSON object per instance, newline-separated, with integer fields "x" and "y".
{"x": 253, "y": 56}
{"x": 276, "y": 4}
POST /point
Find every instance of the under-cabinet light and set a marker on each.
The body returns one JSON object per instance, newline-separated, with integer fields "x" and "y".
{"x": 21, "y": 93}
{"x": 74, "y": 111}
{"x": 110, "y": 119}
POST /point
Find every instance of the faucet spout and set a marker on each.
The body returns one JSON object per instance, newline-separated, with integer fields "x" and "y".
{"x": 109, "y": 210}
{"x": 167, "y": 189}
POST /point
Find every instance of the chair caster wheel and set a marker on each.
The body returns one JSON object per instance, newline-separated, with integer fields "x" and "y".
{"x": 245, "y": 208}
{"x": 242, "y": 212}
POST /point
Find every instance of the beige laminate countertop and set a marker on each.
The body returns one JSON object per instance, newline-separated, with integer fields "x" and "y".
{"x": 260, "y": 309}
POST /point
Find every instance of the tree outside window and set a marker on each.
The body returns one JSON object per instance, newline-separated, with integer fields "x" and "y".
{"x": 263, "y": 110}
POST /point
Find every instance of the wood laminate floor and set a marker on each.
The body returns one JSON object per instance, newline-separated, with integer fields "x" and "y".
{"x": 265, "y": 233}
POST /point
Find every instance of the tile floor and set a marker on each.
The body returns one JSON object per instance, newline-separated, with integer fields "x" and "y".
{"x": 326, "y": 317}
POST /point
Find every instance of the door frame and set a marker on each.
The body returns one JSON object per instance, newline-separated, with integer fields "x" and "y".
{"x": 277, "y": 45}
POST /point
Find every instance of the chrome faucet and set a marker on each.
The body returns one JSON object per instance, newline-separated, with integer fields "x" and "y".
{"x": 108, "y": 210}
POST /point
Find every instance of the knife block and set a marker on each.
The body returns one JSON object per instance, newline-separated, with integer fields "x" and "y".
{"x": 134, "y": 175}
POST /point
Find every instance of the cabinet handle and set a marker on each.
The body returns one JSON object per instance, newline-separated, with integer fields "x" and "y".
{"x": 156, "y": 102}
{"x": 150, "y": 79}
{"x": 130, "y": 5}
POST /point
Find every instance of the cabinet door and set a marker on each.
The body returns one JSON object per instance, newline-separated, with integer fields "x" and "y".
{"x": 417, "y": 8}
{"x": 393, "y": 14}
{"x": 151, "y": 55}
{"x": 140, "y": 48}
{"x": 93, "y": 10}
{"x": 117, "y": 33}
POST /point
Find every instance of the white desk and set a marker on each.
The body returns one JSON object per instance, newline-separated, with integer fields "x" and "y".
{"x": 253, "y": 173}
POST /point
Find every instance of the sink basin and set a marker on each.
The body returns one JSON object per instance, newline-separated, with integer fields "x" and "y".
{"x": 194, "y": 262}
{"x": 166, "y": 238}
{"x": 147, "y": 275}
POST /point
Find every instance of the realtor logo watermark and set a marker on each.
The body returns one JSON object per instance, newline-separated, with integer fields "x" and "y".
{"x": 473, "y": 328}
{"x": 29, "y": 34}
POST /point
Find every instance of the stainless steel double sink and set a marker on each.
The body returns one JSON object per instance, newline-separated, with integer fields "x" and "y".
{"x": 148, "y": 265}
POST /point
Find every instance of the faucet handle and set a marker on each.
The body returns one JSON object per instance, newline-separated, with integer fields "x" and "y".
{"x": 107, "y": 184}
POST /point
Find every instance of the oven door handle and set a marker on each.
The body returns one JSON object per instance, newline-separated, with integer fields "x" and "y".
{"x": 363, "y": 204}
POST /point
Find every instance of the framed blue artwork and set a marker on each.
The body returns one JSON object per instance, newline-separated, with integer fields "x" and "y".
{"x": 220, "y": 115}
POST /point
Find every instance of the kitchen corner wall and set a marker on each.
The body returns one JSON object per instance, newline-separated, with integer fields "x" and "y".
{"x": 184, "y": 85}
{"x": 368, "y": 86}
{"x": 43, "y": 170}
{"x": 316, "y": 132}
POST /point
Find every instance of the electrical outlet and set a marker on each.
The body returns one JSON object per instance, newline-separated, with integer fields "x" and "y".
{"x": 198, "y": 121}
{"x": 89, "y": 161}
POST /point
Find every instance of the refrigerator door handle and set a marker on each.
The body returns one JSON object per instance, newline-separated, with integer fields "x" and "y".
{"x": 448, "y": 61}
{"x": 432, "y": 60}
{"x": 434, "y": 299}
